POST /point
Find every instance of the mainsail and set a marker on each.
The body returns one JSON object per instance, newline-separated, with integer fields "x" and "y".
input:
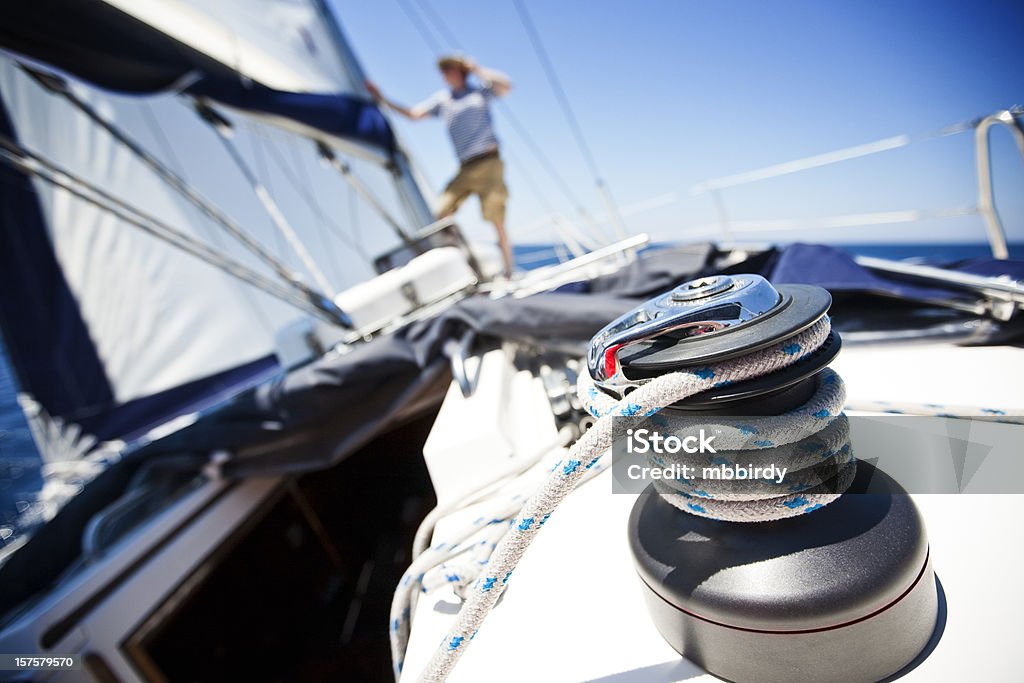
{"x": 110, "y": 328}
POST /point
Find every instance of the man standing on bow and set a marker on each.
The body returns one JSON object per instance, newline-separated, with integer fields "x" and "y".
{"x": 466, "y": 111}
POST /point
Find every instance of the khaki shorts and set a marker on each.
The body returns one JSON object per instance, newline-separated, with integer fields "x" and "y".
{"x": 484, "y": 178}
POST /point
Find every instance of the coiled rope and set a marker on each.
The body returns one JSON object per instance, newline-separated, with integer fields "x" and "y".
{"x": 808, "y": 435}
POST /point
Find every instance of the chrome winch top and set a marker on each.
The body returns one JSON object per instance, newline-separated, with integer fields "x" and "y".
{"x": 699, "y": 321}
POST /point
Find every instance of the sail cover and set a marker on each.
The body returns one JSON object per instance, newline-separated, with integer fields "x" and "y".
{"x": 272, "y": 58}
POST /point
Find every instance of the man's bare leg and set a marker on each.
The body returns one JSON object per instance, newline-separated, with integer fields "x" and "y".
{"x": 506, "y": 247}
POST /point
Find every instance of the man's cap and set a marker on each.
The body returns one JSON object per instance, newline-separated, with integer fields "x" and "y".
{"x": 447, "y": 61}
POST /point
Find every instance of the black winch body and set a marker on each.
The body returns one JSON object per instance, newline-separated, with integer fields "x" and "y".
{"x": 846, "y": 593}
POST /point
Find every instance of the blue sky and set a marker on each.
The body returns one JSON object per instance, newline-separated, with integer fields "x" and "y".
{"x": 673, "y": 93}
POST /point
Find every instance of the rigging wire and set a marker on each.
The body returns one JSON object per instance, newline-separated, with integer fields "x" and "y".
{"x": 420, "y": 27}
{"x": 259, "y": 158}
{"x": 345, "y": 169}
{"x": 302, "y": 188}
{"x": 353, "y": 217}
{"x": 174, "y": 163}
{"x": 60, "y": 87}
{"x": 157, "y": 130}
{"x": 541, "y": 196}
{"x": 546, "y": 204}
{"x": 439, "y": 24}
{"x": 327, "y": 226}
{"x": 302, "y": 180}
{"x": 548, "y": 166}
{"x": 574, "y": 125}
{"x": 34, "y": 164}
{"x": 224, "y": 131}
{"x": 329, "y": 156}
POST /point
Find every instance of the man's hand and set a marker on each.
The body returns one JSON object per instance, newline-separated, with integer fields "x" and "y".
{"x": 378, "y": 96}
{"x": 498, "y": 81}
{"x": 373, "y": 90}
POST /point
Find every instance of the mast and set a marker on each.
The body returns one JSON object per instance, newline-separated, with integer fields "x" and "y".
{"x": 413, "y": 201}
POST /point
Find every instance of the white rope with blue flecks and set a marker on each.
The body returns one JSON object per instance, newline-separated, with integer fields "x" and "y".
{"x": 463, "y": 554}
{"x": 617, "y": 416}
{"x": 811, "y": 442}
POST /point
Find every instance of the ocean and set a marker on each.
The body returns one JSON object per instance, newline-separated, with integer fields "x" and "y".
{"x": 19, "y": 461}
{"x": 535, "y": 256}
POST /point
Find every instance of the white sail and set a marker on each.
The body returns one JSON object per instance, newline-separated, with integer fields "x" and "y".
{"x": 282, "y": 44}
{"x": 160, "y": 318}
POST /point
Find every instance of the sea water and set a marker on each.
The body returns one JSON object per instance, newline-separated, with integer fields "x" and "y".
{"x": 20, "y": 479}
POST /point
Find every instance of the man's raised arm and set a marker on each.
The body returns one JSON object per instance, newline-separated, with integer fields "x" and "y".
{"x": 412, "y": 113}
{"x": 497, "y": 80}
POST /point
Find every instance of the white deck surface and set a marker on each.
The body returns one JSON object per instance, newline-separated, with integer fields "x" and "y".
{"x": 574, "y": 609}
{"x": 932, "y": 373}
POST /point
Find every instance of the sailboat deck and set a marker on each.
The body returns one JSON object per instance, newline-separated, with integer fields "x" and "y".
{"x": 575, "y": 610}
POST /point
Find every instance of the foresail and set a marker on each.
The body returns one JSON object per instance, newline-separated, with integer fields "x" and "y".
{"x": 109, "y": 326}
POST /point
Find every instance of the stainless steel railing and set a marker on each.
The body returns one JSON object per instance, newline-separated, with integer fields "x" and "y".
{"x": 1010, "y": 118}
{"x": 986, "y": 193}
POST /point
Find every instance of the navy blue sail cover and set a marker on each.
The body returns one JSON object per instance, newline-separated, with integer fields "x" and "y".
{"x": 110, "y": 49}
{"x": 837, "y": 271}
{"x": 342, "y": 116}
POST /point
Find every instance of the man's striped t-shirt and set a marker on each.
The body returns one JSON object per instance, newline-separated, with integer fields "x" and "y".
{"x": 468, "y": 117}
